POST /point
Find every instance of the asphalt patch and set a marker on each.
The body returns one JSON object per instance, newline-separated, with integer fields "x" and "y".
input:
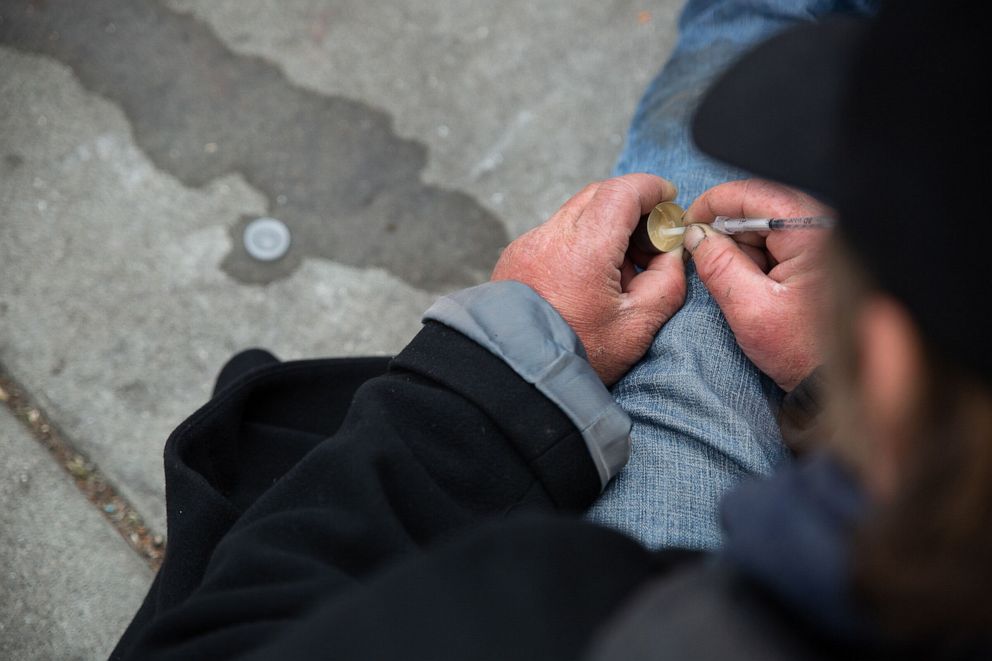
{"x": 332, "y": 168}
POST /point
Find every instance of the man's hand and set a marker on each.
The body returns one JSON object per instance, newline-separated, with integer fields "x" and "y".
{"x": 770, "y": 285}
{"x": 578, "y": 261}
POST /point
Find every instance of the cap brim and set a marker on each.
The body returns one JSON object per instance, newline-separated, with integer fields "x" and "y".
{"x": 777, "y": 112}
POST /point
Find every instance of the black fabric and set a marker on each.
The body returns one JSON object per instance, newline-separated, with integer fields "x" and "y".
{"x": 709, "y": 611}
{"x": 915, "y": 170}
{"x": 264, "y": 419}
{"x": 882, "y": 119}
{"x": 523, "y": 588}
{"x": 792, "y": 535}
{"x": 776, "y": 112}
{"x": 243, "y": 363}
{"x": 666, "y": 619}
{"x": 326, "y": 509}
{"x": 779, "y": 588}
{"x": 274, "y": 511}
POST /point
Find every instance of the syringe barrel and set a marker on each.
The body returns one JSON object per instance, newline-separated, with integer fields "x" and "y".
{"x": 729, "y": 225}
{"x": 801, "y": 223}
{"x": 737, "y": 225}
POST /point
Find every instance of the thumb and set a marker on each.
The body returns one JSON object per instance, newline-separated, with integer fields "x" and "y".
{"x": 660, "y": 288}
{"x": 721, "y": 264}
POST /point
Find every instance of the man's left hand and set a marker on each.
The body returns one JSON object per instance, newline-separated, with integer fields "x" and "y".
{"x": 579, "y": 261}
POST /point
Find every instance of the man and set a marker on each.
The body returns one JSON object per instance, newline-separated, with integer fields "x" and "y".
{"x": 428, "y": 519}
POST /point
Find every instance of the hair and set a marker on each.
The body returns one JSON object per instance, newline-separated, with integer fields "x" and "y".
{"x": 922, "y": 562}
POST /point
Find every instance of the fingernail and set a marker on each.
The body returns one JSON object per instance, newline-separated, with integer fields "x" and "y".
{"x": 693, "y": 236}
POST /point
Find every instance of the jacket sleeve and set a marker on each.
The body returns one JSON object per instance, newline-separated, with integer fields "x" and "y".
{"x": 452, "y": 437}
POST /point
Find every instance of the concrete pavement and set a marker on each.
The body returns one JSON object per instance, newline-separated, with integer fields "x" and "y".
{"x": 402, "y": 143}
{"x": 70, "y": 583}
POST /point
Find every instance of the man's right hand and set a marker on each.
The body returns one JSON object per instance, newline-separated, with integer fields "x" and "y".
{"x": 771, "y": 286}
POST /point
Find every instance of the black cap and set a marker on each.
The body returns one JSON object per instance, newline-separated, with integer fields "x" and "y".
{"x": 881, "y": 118}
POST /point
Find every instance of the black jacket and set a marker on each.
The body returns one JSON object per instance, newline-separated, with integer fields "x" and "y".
{"x": 414, "y": 523}
{"x": 325, "y": 509}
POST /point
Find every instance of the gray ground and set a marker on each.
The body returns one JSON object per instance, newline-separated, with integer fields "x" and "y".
{"x": 403, "y": 143}
{"x": 70, "y": 583}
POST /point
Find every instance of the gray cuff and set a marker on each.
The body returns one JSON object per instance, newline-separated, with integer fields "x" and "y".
{"x": 513, "y": 322}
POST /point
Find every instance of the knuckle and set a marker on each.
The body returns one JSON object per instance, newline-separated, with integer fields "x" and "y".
{"x": 616, "y": 192}
{"x": 619, "y": 188}
{"x": 590, "y": 188}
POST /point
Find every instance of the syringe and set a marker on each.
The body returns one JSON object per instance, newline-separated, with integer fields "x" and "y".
{"x": 728, "y": 225}
{"x": 737, "y": 225}
{"x": 662, "y": 229}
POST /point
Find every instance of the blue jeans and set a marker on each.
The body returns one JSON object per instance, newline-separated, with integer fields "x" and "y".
{"x": 704, "y": 416}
